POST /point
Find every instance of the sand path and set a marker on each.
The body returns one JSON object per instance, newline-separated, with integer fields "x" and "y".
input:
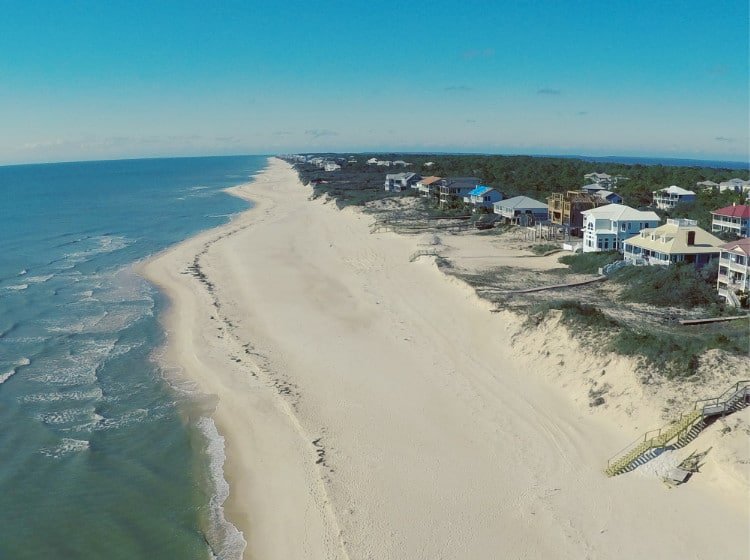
{"x": 373, "y": 407}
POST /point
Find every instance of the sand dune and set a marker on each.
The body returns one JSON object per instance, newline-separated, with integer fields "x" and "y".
{"x": 374, "y": 408}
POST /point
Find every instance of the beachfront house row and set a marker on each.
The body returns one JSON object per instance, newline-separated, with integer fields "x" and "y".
{"x": 521, "y": 210}
{"x": 454, "y": 189}
{"x": 733, "y": 219}
{"x": 674, "y": 242}
{"x": 733, "y": 282}
{"x": 565, "y": 209}
{"x": 483, "y": 196}
{"x": 398, "y": 182}
{"x": 669, "y": 197}
{"x": 429, "y": 186}
{"x": 606, "y": 228}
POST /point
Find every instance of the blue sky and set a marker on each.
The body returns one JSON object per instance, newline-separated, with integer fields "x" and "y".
{"x": 99, "y": 80}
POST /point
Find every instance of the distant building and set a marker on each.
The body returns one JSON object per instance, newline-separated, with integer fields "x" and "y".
{"x": 565, "y": 209}
{"x": 372, "y": 161}
{"x": 734, "y": 271}
{"x": 707, "y": 185}
{"x": 593, "y": 188}
{"x": 429, "y": 186}
{"x": 428, "y": 164}
{"x": 456, "y": 188}
{"x": 732, "y": 219}
{"x": 676, "y": 241}
{"x": 400, "y": 181}
{"x": 669, "y": 197}
{"x": 609, "y": 196}
{"x": 602, "y": 179}
{"x": 734, "y": 185}
{"x": 521, "y": 210}
{"x": 401, "y": 162}
{"x": 331, "y": 166}
{"x": 482, "y": 196}
{"x": 606, "y": 228}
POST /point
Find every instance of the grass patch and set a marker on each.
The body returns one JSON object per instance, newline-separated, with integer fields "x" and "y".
{"x": 578, "y": 314}
{"x": 679, "y": 285}
{"x": 544, "y": 248}
{"x": 589, "y": 263}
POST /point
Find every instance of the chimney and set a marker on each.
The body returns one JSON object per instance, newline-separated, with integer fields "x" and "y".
{"x": 691, "y": 238}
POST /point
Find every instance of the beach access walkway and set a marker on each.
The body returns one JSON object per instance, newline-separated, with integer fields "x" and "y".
{"x": 681, "y": 431}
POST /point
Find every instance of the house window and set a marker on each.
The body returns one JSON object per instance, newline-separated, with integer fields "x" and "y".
{"x": 606, "y": 243}
{"x": 622, "y": 227}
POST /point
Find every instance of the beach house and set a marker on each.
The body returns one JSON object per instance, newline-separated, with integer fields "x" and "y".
{"x": 733, "y": 219}
{"x": 733, "y": 282}
{"x": 676, "y": 241}
{"x": 565, "y": 209}
{"x": 429, "y": 186}
{"x": 669, "y": 197}
{"x": 601, "y": 179}
{"x": 521, "y": 210}
{"x": 483, "y": 196}
{"x": 609, "y": 196}
{"x": 734, "y": 185}
{"x": 398, "y": 182}
{"x": 454, "y": 189}
{"x": 592, "y": 188}
{"x": 606, "y": 227}
{"x": 707, "y": 185}
{"x": 331, "y": 166}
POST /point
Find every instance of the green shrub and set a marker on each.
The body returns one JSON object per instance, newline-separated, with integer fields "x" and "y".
{"x": 589, "y": 263}
{"x": 544, "y": 248}
{"x": 678, "y": 285}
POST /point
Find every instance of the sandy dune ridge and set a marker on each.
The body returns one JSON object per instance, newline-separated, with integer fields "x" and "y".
{"x": 372, "y": 407}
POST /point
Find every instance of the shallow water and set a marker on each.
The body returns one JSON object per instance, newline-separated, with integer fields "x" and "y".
{"x": 99, "y": 457}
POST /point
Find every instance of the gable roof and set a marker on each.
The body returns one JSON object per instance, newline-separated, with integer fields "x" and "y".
{"x": 521, "y": 202}
{"x": 741, "y": 245}
{"x": 674, "y": 189}
{"x": 621, "y": 212}
{"x": 671, "y": 238}
{"x": 429, "y": 180}
{"x": 735, "y": 211}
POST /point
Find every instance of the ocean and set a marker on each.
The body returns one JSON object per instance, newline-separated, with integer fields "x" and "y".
{"x": 99, "y": 456}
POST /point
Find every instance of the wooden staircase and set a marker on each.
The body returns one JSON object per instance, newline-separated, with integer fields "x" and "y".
{"x": 681, "y": 431}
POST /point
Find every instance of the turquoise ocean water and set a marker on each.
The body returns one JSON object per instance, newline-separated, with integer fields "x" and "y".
{"x": 99, "y": 457}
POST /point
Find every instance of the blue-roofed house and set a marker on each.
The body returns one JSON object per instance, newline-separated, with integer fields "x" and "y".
{"x": 483, "y": 196}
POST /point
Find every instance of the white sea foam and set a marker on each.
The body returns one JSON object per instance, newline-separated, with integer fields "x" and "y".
{"x": 226, "y": 541}
{"x": 24, "y": 271}
{"x": 23, "y": 339}
{"x": 16, "y": 287}
{"x": 10, "y": 373}
{"x": 94, "y": 393}
{"x": 38, "y": 279}
{"x": 132, "y": 417}
{"x": 67, "y": 446}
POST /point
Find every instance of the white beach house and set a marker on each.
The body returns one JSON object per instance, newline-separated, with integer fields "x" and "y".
{"x": 732, "y": 219}
{"x": 601, "y": 179}
{"x": 669, "y": 197}
{"x": 734, "y": 271}
{"x": 735, "y": 185}
{"x": 331, "y": 166}
{"x": 606, "y": 228}
{"x": 521, "y": 210}
{"x": 674, "y": 242}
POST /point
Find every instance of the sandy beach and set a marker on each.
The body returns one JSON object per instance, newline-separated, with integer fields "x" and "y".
{"x": 373, "y": 407}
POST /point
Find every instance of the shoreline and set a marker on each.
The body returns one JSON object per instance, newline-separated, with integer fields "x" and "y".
{"x": 337, "y": 449}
